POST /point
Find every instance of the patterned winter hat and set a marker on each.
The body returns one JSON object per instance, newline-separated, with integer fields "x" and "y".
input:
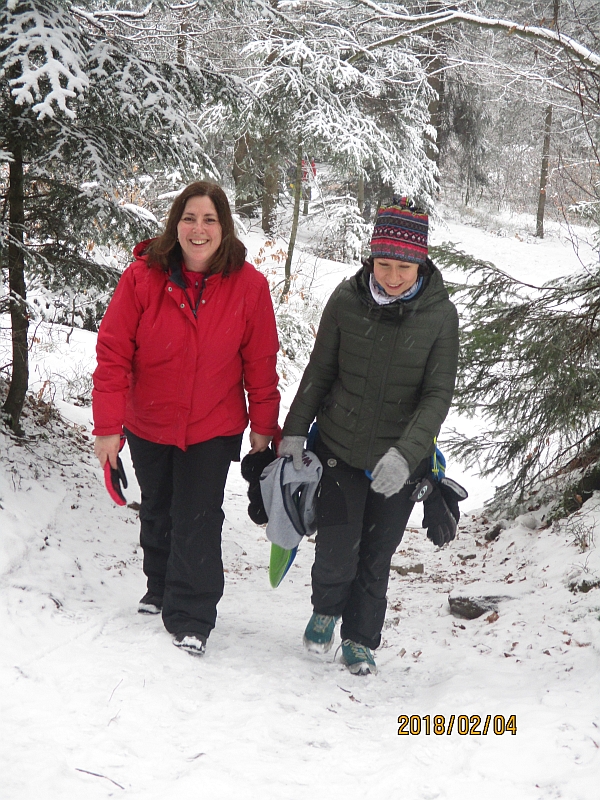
{"x": 400, "y": 232}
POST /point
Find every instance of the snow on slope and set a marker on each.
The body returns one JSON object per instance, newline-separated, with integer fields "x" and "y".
{"x": 96, "y": 702}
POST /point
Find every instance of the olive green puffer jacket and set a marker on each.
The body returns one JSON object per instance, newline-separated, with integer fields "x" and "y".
{"x": 379, "y": 376}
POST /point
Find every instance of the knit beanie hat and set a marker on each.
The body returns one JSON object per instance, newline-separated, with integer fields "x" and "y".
{"x": 400, "y": 232}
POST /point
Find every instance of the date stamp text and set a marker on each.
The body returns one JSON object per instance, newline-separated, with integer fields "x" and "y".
{"x": 463, "y": 724}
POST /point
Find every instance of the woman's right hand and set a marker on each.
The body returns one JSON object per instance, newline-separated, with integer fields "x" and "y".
{"x": 107, "y": 448}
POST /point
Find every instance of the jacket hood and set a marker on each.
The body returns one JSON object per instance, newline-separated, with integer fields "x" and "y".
{"x": 174, "y": 270}
{"x": 140, "y": 248}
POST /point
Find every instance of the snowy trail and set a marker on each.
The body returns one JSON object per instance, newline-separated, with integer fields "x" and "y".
{"x": 90, "y": 686}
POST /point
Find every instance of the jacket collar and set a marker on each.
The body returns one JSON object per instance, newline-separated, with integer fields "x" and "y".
{"x": 432, "y": 290}
{"x": 175, "y": 271}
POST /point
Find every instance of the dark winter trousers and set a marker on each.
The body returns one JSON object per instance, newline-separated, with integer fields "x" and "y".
{"x": 181, "y": 520}
{"x": 358, "y": 533}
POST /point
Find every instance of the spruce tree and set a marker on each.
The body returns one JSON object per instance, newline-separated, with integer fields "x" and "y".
{"x": 530, "y": 369}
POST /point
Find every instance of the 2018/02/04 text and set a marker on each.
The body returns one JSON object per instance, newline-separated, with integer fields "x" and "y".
{"x": 462, "y": 724}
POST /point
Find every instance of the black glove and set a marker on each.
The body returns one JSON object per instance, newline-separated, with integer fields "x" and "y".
{"x": 113, "y": 478}
{"x": 440, "y": 508}
{"x": 252, "y": 467}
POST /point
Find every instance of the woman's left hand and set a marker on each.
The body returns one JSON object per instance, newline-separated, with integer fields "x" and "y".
{"x": 258, "y": 442}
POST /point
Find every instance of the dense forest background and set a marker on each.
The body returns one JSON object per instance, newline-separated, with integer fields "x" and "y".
{"x": 109, "y": 108}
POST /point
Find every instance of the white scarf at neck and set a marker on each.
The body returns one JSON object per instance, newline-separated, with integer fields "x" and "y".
{"x": 382, "y": 298}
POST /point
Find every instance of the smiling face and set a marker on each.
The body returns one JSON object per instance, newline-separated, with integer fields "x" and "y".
{"x": 396, "y": 277}
{"x": 199, "y": 233}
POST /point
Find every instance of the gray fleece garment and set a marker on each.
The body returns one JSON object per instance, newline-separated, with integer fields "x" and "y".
{"x": 289, "y": 496}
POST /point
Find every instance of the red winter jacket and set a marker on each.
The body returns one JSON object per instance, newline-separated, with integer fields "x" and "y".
{"x": 173, "y": 378}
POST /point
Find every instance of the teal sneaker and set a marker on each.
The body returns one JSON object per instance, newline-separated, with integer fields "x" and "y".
{"x": 358, "y": 658}
{"x": 319, "y": 633}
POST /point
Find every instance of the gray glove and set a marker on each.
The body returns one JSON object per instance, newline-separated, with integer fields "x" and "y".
{"x": 391, "y": 473}
{"x": 292, "y": 446}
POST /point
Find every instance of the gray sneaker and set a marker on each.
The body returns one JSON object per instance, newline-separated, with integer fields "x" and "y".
{"x": 320, "y": 633}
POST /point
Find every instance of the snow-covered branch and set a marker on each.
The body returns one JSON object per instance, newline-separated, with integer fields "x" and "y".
{"x": 417, "y": 23}
{"x": 48, "y": 59}
{"x": 115, "y": 13}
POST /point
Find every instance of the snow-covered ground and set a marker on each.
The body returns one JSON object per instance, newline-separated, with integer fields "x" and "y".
{"x": 96, "y": 702}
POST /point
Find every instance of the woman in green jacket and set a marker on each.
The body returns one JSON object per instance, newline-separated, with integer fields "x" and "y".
{"x": 379, "y": 382}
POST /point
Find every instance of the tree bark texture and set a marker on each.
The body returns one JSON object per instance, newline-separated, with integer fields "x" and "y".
{"x": 270, "y": 196}
{"x": 360, "y": 193}
{"x": 245, "y": 202}
{"x": 182, "y": 42}
{"x": 435, "y": 78}
{"x": 295, "y": 218}
{"x": 539, "y": 228}
{"x": 13, "y": 405}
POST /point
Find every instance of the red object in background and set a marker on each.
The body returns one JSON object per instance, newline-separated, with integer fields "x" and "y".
{"x": 313, "y": 169}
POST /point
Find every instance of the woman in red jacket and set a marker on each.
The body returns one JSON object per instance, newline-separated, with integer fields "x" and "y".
{"x": 190, "y": 329}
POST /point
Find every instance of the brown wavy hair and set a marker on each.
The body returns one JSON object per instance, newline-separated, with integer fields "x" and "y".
{"x": 165, "y": 250}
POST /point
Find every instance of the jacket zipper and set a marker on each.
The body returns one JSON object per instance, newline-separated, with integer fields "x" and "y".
{"x": 195, "y": 308}
{"x": 380, "y": 397}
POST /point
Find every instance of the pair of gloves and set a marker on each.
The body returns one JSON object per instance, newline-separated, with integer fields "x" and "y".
{"x": 440, "y": 507}
{"x": 440, "y": 498}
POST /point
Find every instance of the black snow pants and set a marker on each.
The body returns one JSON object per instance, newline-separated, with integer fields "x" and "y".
{"x": 181, "y": 519}
{"x": 358, "y": 532}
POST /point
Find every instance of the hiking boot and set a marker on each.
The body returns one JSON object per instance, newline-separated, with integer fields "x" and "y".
{"x": 319, "y": 633}
{"x": 192, "y": 643}
{"x": 150, "y": 604}
{"x": 358, "y": 658}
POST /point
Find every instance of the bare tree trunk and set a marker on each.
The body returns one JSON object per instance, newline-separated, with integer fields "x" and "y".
{"x": 360, "y": 199}
{"x": 182, "y": 42}
{"x": 295, "y": 218}
{"x": 435, "y": 78}
{"x": 555, "y": 14}
{"x": 539, "y": 228}
{"x": 245, "y": 203}
{"x": 13, "y": 405}
{"x": 270, "y": 196}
